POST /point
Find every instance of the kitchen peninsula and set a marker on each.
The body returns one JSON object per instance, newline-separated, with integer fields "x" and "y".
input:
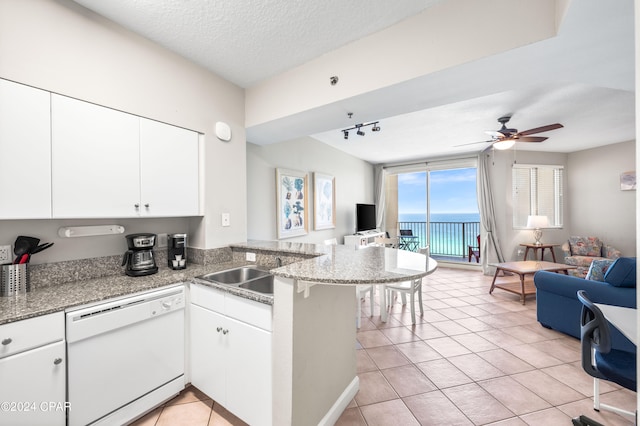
{"x": 314, "y": 314}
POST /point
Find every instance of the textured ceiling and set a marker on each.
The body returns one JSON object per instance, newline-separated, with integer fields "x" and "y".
{"x": 247, "y": 41}
{"x": 583, "y": 78}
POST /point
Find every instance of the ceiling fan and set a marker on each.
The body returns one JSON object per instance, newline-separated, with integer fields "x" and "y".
{"x": 505, "y": 138}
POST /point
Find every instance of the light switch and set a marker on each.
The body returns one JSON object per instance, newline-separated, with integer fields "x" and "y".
{"x": 226, "y": 220}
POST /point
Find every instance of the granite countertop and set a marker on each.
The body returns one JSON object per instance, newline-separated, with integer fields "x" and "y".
{"x": 335, "y": 264}
{"x": 341, "y": 264}
{"x": 57, "y": 298}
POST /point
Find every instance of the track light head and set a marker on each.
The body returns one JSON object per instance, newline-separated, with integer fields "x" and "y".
{"x": 360, "y": 133}
{"x": 375, "y": 128}
{"x": 346, "y": 134}
{"x": 359, "y": 128}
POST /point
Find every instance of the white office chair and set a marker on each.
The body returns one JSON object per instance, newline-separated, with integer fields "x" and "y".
{"x": 361, "y": 290}
{"x": 408, "y": 287}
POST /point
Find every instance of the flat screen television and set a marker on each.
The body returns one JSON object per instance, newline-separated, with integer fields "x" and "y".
{"x": 365, "y": 217}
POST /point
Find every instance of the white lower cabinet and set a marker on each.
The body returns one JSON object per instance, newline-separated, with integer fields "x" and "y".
{"x": 230, "y": 358}
{"x": 33, "y": 372}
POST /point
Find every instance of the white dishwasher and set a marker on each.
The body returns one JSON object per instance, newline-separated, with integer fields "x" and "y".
{"x": 125, "y": 356}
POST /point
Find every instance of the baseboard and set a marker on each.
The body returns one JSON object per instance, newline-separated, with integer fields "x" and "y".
{"x": 341, "y": 403}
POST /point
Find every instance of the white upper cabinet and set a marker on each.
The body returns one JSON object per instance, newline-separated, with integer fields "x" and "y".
{"x": 95, "y": 162}
{"x": 25, "y": 152}
{"x": 168, "y": 170}
{"x": 108, "y": 163}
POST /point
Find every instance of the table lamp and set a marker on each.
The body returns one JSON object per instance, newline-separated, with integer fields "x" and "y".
{"x": 536, "y": 222}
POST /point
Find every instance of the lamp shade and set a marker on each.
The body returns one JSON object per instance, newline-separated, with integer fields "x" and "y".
{"x": 534, "y": 222}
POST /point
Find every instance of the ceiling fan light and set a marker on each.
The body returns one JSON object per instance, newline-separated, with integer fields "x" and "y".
{"x": 505, "y": 144}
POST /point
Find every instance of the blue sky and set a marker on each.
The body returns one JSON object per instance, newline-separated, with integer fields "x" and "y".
{"x": 452, "y": 191}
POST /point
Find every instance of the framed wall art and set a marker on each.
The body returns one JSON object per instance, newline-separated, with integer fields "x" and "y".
{"x": 324, "y": 201}
{"x": 291, "y": 203}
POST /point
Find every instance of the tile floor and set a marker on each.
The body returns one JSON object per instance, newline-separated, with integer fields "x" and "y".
{"x": 473, "y": 359}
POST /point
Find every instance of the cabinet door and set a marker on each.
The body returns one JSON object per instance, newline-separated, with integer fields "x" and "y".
{"x": 168, "y": 170}
{"x": 33, "y": 383}
{"x": 95, "y": 160}
{"x": 249, "y": 371}
{"x": 25, "y": 152}
{"x": 208, "y": 353}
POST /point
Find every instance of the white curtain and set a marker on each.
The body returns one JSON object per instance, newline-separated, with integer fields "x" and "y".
{"x": 380, "y": 175}
{"x": 489, "y": 241}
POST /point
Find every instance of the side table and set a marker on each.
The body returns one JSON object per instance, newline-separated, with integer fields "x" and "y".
{"x": 535, "y": 247}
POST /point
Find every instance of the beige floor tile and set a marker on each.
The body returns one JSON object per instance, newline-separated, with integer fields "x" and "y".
{"x": 447, "y": 347}
{"x": 188, "y": 414}
{"x": 434, "y": 408}
{"x": 547, "y": 388}
{"x": 499, "y": 337}
{"x": 558, "y": 349}
{"x": 364, "y": 362}
{"x": 453, "y": 312}
{"x": 387, "y": 357}
{"x": 513, "y": 421}
{"x": 399, "y": 334}
{"x": 374, "y": 388}
{"x": 585, "y": 407}
{"x": 389, "y": 413}
{"x": 426, "y": 331}
{"x": 477, "y": 404}
{"x": 408, "y": 380}
{"x": 506, "y": 361}
{"x": 351, "y": 417}
{"x": 373, "y": 338}
{"x": 474, "y": 324}
{"x": 525, "y": 334}
{"x": 534, "y": 356}
{"x": 443, "y": 374}
{"x": 475, "y": 367}
{"x": 550, "y": 417}
{"x": 474, "y": 343}
{"x": 149, "y": 419}
{"x": 418, "y": 351}
{"x": 450, "y": 327}
{"x": 189, "y": 394}
{"x": 220, "y": 416}
{"x": 514, "y": 396}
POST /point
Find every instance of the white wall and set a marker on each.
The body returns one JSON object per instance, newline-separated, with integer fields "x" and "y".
{"x": 354, "y": 184}
{"x": 593, "y": 204}
{"x": 598, "y": 206}
{"x": 59, "y": 46}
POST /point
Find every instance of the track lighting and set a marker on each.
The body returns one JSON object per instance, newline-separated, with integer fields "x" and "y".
{"x": 358, "y": 127}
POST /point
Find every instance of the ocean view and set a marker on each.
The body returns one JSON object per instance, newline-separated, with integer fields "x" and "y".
{"x": 447, "y": 234}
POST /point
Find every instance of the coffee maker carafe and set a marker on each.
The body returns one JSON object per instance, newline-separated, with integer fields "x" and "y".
{"x": 177, "y": 251}
{"x": 139, "y": 259}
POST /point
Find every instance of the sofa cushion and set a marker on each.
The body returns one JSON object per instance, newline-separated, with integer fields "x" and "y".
{"x": 622, "y": 273}
{"x": 585, "y": 261}
{"x": 586, "y": 246}
{"x": 598, "y": 269}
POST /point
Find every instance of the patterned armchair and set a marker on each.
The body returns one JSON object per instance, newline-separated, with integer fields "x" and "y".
{"x": 581, "y": 251}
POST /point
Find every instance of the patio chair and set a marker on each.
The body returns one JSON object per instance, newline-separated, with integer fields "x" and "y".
{"x": 474, "y": 251}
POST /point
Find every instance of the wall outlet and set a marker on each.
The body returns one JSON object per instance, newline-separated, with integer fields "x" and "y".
{"x": 5, "y": 254}
{"x": 251, "y": 257}
{"x": 162, "y": 241}
{"x": 226, "y": 219}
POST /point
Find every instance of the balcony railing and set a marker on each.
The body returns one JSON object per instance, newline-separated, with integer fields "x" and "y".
{"x": 446, "y": 238}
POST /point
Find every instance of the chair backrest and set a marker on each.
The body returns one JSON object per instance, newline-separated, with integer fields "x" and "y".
{"x": 406, "y": 232}
{"x": 330, "y": 242}
{"x": 585, "y": 246}
{"x": 594, "y": 333}
{"x": 478, "y": 238}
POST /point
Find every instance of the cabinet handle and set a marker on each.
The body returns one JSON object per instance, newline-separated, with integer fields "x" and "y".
{"x": 7, "y": 341}
{"x": 136, "y": 205}
{"x": 225, "y": 331}
{"x": 219, "y": 329}
{"x": 57, "y": 361}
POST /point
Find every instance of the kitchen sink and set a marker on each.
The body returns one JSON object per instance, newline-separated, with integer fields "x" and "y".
{"x": 247, "y": 277}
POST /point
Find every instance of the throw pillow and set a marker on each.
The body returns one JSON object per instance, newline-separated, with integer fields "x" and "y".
{"x": 622, "y": 273}
{"x": 585, "y": 246}
{"x": 598, "y": 269}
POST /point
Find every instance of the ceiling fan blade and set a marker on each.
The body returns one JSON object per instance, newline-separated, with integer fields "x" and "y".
{"x": 541, "y": 129}
{"x": 474, "y": 143}
{"x": 531, "y": 139}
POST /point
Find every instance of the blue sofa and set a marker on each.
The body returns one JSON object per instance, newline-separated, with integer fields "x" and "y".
{"x": 558, "y": 306}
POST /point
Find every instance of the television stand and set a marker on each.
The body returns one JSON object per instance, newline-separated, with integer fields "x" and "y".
{"x": 363, "y": 239}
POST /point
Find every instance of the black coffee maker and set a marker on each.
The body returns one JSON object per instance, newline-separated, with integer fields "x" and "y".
{"x": 177, "y": 251}
{"x": 139, "y": 259}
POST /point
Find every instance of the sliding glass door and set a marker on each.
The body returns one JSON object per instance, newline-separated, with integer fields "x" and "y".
{"x": 436, "y": 204}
